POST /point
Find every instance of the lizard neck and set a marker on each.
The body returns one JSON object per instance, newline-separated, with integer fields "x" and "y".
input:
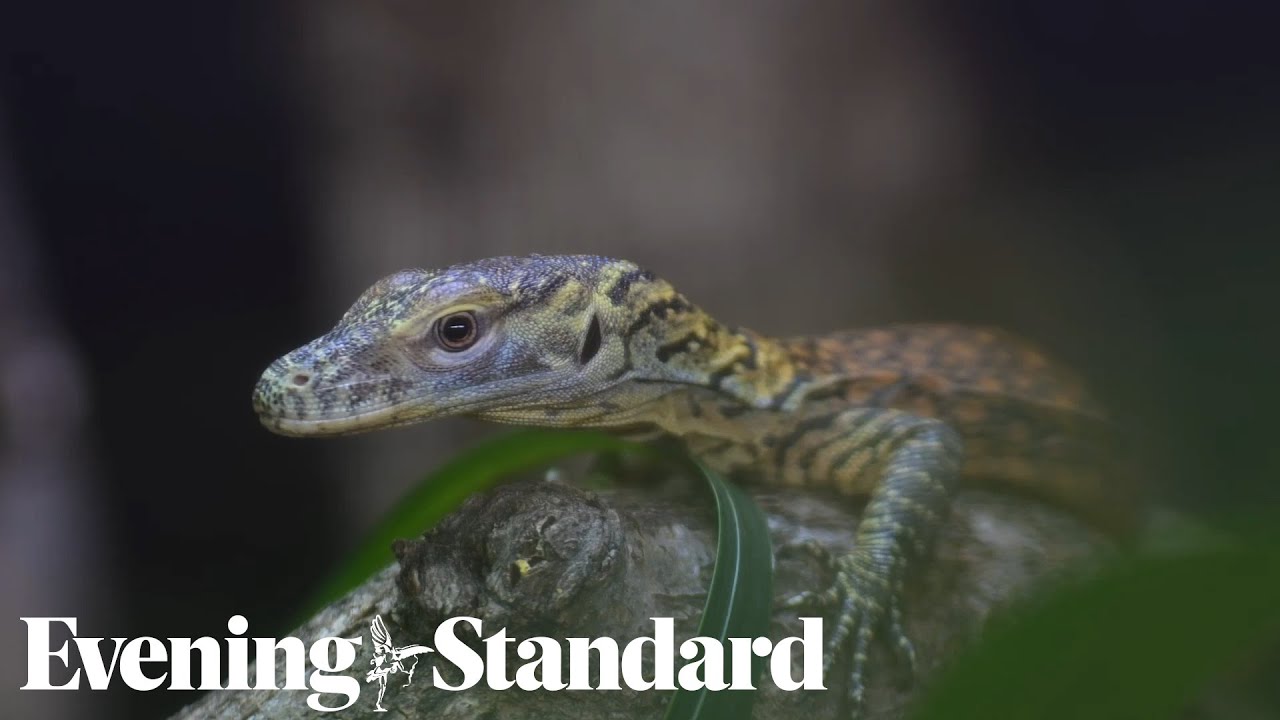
{"x": 664, "y": 363}
{"x": 671, "y": 342}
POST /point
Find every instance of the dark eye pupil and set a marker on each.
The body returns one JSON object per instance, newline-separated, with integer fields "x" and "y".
{"x": 457, "y": 331}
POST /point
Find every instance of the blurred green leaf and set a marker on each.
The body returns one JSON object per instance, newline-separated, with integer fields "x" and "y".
{"x": 1141, "y": 639}
{"x": 444, "y": 490}
{"x": 738, "y": 602}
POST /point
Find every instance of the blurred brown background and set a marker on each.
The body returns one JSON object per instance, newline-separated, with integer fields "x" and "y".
{"x": 187, "y": 191}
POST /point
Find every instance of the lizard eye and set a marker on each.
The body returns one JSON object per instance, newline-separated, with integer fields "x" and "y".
{"x": 457, "y": 331}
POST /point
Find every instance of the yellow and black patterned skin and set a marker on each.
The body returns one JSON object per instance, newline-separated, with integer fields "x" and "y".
{"x": 899, "y": 415}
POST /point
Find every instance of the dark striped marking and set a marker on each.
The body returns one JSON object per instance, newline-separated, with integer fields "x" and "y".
{"x": 796, "y": 382}
{"x": 680, "y": 344}
{"x": 827, "y": 392}
{"x": 879, "y": 435}
{"x": 695, "y": 407}
{"x": 541, "y": 293}
{"x": 875, "y": 444}
{"x": 647, "y": 315}
{"x": 618, "y": 293}
{"x": 717, "y": 376}
{"x": 800, "y": 431}
{"x": 752, "y": 361}
{"x": 885, "y": 396}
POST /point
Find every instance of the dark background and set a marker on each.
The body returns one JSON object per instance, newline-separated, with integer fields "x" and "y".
{"x": 166, "y": 233}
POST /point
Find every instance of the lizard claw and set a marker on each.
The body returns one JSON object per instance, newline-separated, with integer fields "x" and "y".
{"x": 864, "y": 600}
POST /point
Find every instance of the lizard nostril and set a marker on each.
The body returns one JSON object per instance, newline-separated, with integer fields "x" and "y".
{"x": 301, "y": 379}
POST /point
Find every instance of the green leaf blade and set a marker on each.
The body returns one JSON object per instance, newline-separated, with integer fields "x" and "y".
{"x": 739, "y": 600}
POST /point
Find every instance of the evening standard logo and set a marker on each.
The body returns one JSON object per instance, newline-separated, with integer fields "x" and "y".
{"x": 389, "y": 659}
{"x": 147, "y": 663}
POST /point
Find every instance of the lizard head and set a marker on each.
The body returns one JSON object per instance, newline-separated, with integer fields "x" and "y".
{"x": 526, "y": 340}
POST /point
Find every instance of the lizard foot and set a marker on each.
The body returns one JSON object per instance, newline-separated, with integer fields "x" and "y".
{"x": 865, "y": 599}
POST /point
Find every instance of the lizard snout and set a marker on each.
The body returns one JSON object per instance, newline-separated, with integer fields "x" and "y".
{"x": 311, "y": 393}
{"x": 279, "y": 393}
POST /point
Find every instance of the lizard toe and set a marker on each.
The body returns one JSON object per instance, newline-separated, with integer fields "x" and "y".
{"x": 904, "y": 649}
{"x": 812, "y": 600}
{"x": 809, "y": 548}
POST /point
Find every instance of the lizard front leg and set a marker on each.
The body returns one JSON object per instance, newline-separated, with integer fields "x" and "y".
{"x": 917, "y": 461}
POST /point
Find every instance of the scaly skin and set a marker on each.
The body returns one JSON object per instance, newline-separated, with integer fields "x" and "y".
{"x": 898, "y": 415}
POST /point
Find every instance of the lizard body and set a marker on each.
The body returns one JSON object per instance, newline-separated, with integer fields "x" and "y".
{"x": 898, "y": 415}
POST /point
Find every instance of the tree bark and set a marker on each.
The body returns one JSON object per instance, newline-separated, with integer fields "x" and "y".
{"x": 544, "y": 558}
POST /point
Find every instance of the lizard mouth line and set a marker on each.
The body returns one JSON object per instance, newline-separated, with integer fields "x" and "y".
{"x": 336, "y": 425}
{"x": 393, "y": 415}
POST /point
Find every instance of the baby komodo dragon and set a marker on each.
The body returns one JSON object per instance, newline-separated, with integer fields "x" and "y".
{"x": 898, "y": 415}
